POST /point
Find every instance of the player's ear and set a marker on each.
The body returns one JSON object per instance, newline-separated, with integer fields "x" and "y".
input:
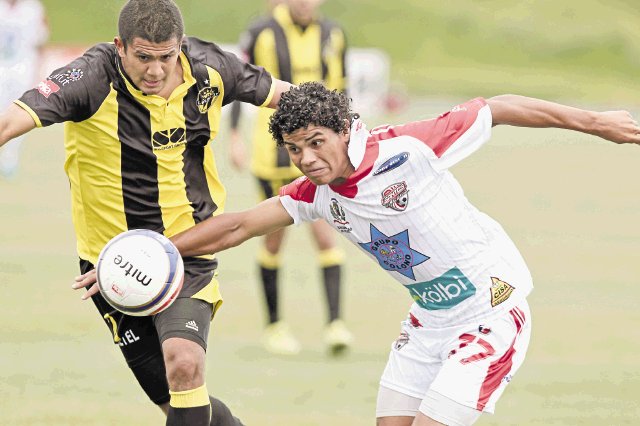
{"x": 120, "y": 46}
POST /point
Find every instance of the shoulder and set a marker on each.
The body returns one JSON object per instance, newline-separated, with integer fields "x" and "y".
{"x": 301, "y": 189}
{"x": 260, "y": 24}
{"x": 203, "y": 51}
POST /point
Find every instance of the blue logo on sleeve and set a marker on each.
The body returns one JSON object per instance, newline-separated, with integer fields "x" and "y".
{"x": 394, "y": 253}
{"x": 443, "y": 292}
{"x": 393, "y": 162}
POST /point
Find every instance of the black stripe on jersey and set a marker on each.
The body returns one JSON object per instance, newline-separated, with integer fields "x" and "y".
{"x": 139, "y": 167}
{"x": 198, "y": 134}
{"x": 325, "y": 33}
{"x": 286, "y": 74}
{"x": 282, "y": 50}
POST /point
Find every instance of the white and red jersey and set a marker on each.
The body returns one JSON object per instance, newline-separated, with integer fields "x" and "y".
{"x": 409, "y": 214}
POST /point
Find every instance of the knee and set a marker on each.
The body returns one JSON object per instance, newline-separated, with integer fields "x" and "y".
{"x": 185, "y": 369}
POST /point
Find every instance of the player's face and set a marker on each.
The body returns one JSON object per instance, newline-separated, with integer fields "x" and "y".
{"x": 303, "y": 11}
{"x": 152, "y": 67}
{"x": 320, "y": 153}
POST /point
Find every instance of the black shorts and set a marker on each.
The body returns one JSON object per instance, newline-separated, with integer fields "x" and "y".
{"x": 141, "y": 337}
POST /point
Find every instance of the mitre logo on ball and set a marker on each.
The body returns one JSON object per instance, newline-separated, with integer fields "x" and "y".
{"x": 140, "y": 272}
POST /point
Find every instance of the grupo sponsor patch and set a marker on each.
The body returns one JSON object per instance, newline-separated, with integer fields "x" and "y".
{"x": 444, "y": 292}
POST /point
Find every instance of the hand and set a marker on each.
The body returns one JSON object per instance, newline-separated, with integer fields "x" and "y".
{"x": 618, "y": 126}
{"x": 86, "y": 280}
{"x": 237, "y": 151}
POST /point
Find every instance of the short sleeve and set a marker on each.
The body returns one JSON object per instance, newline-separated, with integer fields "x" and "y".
{"x": 451, "y": 137}
{"x": 70, "y": 93}
{"x": 298, "y": 200}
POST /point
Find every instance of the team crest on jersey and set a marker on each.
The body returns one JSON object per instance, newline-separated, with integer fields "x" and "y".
{"x": 339, "y": 217}
{"x": 396, "y": 196}
{"x": 500, "y": 291}
{"x": 170, "y": 138}
{"x": 401, "y": 341}
{"x": 68, "y": 76}
{"x": 394, "y": 252}
{"x": 47, "y": 87}
{"x": 393, "y": 162}
{"x": 206, "y": 96}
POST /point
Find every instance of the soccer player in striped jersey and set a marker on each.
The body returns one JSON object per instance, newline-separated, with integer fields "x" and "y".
{"x": 295, "y": 43}
{"x": 139, "y": 114}
{"x": 389, "y": 192}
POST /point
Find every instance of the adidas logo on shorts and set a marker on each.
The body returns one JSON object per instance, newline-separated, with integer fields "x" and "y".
{"x": 192, "y": 325}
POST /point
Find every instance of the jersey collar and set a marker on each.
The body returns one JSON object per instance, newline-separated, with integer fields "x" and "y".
{"x": 362, "y": 152}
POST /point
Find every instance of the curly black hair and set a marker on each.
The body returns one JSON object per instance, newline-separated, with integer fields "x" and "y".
{"x": 310, "y": 104}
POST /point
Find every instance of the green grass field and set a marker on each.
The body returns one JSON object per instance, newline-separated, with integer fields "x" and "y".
{"x": 569, "y": 201}
{"x": 583, "y": 50}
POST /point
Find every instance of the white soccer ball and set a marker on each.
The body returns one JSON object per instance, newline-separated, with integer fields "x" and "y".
{"x": 140, "y": 272}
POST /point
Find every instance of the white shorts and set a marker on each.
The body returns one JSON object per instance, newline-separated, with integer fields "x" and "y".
{"x": 470, "y": 365}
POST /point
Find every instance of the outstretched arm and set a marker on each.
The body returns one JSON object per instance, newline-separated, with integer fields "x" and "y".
{"x": 14, "y": 121}
{"x": 227, "y": 230}
{"x": 616, "y": 126}
{"x": 215, "y": 234}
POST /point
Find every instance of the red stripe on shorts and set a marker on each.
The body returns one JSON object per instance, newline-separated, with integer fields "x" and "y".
{"x": 498, "y": 369}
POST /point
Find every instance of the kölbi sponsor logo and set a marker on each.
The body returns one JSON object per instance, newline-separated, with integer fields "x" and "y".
{"x": 443, "y": 292}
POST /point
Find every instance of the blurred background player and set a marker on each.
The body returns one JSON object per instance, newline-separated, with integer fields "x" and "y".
{"x": 23, "y": 32}
{"x": 295, "y": 44}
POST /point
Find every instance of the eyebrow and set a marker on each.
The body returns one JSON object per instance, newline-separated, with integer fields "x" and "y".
{"x": 143, "y": 51}
{"x": 313, "y": 135}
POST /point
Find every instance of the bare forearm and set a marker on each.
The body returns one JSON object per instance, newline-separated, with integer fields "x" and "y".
{"x": 213, "y": 235}
{"x": 514, "y": 110}
{"x": 228, "y": 230}
{"x": 14, "y": 121}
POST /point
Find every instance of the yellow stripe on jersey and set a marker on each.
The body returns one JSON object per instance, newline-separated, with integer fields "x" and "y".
{"x": 96, "y": 181}
{"x": 265, "y": 52}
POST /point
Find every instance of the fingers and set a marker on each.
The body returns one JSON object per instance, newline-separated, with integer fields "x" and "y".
{"x": 84, "y": 281}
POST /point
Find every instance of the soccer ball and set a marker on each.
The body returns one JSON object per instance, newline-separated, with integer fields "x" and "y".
{"x": 140, "y": 272}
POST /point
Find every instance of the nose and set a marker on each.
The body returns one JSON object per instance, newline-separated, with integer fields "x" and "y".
{"x": 154, "y": 70}
{"x": 307, "y": 157}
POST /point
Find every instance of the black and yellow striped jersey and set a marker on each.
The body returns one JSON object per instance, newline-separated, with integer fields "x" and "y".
{"x": 297, "y": 55}
{"x": 138, "y": 161}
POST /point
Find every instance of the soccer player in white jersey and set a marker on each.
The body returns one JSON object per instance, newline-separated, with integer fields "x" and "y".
{"x": 23, "y": 31}
{"x": 389, "y": 192}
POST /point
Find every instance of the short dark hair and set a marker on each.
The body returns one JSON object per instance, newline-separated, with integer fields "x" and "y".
{"x": 156, "y": 21}
{"x": 310, "y": 104}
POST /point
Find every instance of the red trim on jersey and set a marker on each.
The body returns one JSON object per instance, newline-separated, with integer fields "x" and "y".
{"x": 437, "y": 133}
{"x": 301, "y": 189}
{"x": 349, "y": 188}
{"x": 500, "y": 368}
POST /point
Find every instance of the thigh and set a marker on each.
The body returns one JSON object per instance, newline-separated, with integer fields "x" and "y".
{"x": 414, "y": 360}
{"x": 482, "y": 360}
{"x": 187, "y": 318}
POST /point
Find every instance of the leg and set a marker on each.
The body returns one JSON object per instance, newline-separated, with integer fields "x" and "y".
{"x": 277, "y": 336}
{"x": 337, "y": 336}
{"x": 140, "y": 346}
{"x": 183, "y": 330}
